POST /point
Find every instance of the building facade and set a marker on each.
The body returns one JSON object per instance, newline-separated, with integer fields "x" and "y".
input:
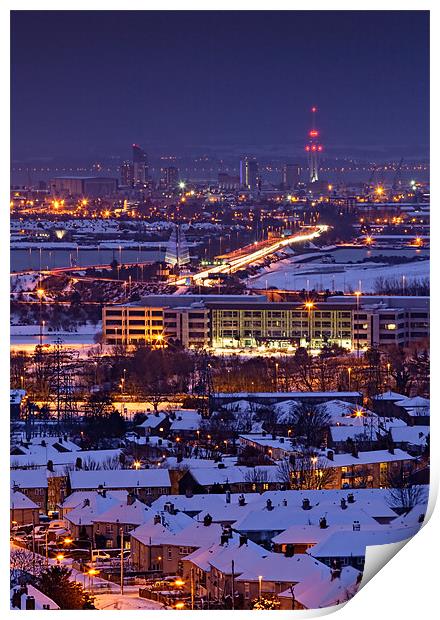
{"x": 249, "y": 322}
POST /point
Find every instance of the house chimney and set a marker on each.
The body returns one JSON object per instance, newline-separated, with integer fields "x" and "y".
{"x": 243, "y": 539}
{"x": 350, "y": 498}
{"x": 207, "y": 520}
{"x": 323, "y": 523}
{"x": 49, "y": 465}
{"x": 269, "y": 505}
{"x": 335, "y": 573}
{"x": 241, "y": 500}
{"x": 224, "y": 539}
{"x": 284, "y": 502}
{"x": 330, "y": 455}
{"x": 157, "y": 519}
{"x": 169, "y": 507}
{"x": 306, "y": 504}
{"x": 188, "y": 492}
{"x": 131, "y": 498}
{"x": 30, "y": 602}
{"x": 86, "y": 502}
{"x": 356, "y": 526}
{"x": 343, "y": 503}
{"x": 228, "y": 497}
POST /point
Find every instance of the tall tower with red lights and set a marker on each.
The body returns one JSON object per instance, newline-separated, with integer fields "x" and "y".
{"x": 314, "y": 149}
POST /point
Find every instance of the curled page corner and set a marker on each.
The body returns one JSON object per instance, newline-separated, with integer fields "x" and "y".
{"x": 377, "y": 556}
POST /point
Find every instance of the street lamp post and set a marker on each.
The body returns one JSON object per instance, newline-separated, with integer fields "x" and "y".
{"x": 358, "y": 294}
{"x": 40, "y": 293}
{"x": 349, "y": 378}
{"x": 260, "y": 580}
{"x": 121, "y": 531}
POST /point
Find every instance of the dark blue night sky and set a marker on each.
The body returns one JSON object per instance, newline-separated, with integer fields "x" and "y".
{"x": 88, "y": 83}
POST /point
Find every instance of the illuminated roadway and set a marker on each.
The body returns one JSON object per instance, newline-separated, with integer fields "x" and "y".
{"x": 244, "y": 260}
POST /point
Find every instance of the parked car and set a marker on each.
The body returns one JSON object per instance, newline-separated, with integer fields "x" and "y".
{"x": 99, "y": 555}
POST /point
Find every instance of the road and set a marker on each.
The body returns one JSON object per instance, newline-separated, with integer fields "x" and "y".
{"x": 243, "y": 260}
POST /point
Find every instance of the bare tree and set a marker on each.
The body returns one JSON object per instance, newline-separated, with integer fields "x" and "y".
{"x": 311, "y": 423}
{"x": 402, "y": 494}
{"x": 24, "y": 561}
{"x": 306, "y": 471}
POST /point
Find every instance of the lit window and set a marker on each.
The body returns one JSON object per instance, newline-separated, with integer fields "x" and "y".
{"x": 391, "y": 326}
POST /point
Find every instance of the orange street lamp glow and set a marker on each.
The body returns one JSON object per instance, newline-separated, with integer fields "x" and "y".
{"x": 137, "y": 464}
{"x": 40, "y": 292}
{"x": 309, "y": 305}
{"x": 179, "y": 583}
{"x": 92, "y": 572}
{"x": 60, "y": 557}
{"x": 179, "y": 605}
{"x": 379, "y": 190}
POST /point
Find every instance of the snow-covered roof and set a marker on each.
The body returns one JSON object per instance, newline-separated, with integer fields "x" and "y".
{"x": 414, "y": 435}
{"x": 221, "y": 557}
{"x": 389, "y": 395}
{"x": 277, "y": 567}
{"x": 91, "y": 507}
{"x": 119, "y": 479}
{"x": 77, "y": 498}
{"x": 343, "y": 433}
{"x": 41, "y": 600}
{"x": 413, "y": 403}
{"x": 38, "y": 456}
{"x": 19, "y": 501}
{"x": 267, "y": 441}
{"x": 282, "y": 517}
{"x": 198, "y": 535}
{"x": 152, "y": 420}
{"x": 29, "y": 478}
{"x": 365, "y": 458}
{"x": 162, "y": 532}
{"x": 233, "y": 475}
{"x": 186, "y": 420}
{"x": 322, "y": 590}
{"x": 121, "y": 512}
{"x": 342, "y": 543}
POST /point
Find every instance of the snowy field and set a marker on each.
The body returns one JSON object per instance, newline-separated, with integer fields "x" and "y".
{"x": 344, "y": 277}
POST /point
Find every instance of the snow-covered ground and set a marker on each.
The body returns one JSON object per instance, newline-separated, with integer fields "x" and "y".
{"x": 344, "y": 277}
{"x": 129, "y": 600}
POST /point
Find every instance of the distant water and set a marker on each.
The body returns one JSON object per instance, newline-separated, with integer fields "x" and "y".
{"x": 30, "y": 259}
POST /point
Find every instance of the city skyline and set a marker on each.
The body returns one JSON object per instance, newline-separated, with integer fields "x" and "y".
{"x": 161, "y": 80}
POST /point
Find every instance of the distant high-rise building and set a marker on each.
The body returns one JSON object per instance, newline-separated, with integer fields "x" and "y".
{"x": 249, "y": 173}
{"x": 169, "y": 177}
{"x": 314, "y": 150}
{"x": 126, "y": 173}
{"x": 291, "y": 175}
{"x": 140, "y": 165}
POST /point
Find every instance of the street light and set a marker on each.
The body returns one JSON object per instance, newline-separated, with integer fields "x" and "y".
{"x": 309, "y": 306}
{"x": 92, "y": 572}
{"x": 137, "y": 464}
{"x": 40, "y": 293}
{"x": 349, "y": 378}
{"x": 59, "y": 558}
